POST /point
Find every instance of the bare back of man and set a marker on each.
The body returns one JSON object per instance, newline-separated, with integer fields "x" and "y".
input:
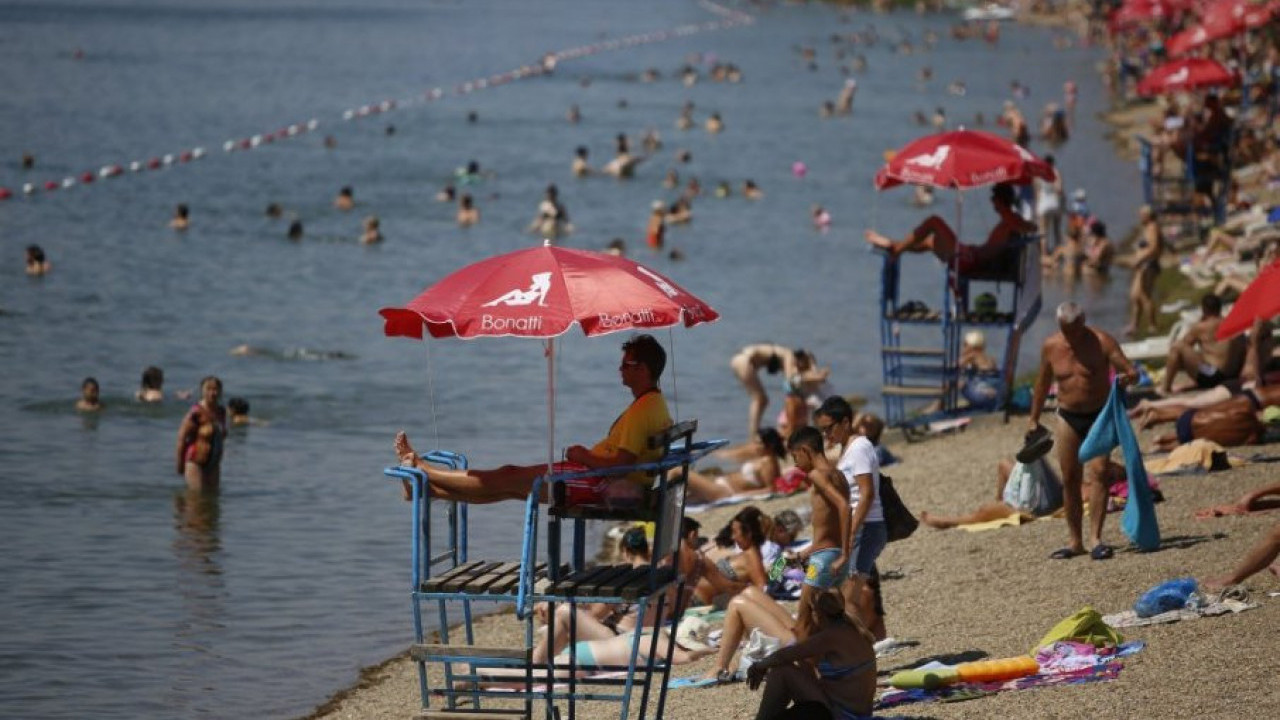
{"x": 1079, "y": 359}
{"x": 1200, "y": 354}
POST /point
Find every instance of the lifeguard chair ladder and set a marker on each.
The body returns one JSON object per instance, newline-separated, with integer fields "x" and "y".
{"x": 527, "y": 582}
{"x": 928, "y": 369}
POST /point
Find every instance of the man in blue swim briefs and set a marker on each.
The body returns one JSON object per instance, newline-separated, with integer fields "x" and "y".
{"x": 627, "y": 443}
{"x": 832, "y": 540}
{"x": 1078, "y": 358}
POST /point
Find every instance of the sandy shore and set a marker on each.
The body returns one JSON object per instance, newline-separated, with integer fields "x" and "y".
{"x": 997, "y": 592}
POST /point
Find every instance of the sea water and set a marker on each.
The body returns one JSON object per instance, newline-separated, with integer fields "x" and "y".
{"x": 123, "y": 597}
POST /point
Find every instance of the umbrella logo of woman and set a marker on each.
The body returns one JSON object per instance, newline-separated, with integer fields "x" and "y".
{"x": 1178, "y": 77}
{"x": 932, "y": 160}
{"x": 667, "y": 288}
{"x": 539, "y": 286}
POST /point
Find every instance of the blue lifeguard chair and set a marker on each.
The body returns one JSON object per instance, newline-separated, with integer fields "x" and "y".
{"x": 920, "y": 346}
{"x": 450, "y": 578}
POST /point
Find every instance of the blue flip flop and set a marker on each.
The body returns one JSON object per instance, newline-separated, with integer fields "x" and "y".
{"x": 1102, "y": 551}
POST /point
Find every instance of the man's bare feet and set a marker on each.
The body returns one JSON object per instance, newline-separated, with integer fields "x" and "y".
{"x": 880, "y": 241}
{"x": 934, "y": 522}
{"x": 1147, "y": 420}
{"x": 408, "y": 458}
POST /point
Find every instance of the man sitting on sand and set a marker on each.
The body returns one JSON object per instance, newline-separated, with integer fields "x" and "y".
{"x": 1201, "y": 354}
{"x": 1078, "y": 358}
{"x": 627, "y": 443}
{"x": 936, "y": 236}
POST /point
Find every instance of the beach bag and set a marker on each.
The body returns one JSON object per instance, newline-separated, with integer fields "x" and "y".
{"x": 758, "y": 647}
{"x": 1030, "y": 489}
{"x": 898, "y": 520}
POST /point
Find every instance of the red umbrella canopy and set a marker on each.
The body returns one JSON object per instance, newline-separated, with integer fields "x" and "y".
{"x": 962, "y": 159}
{"x": 1219, "y": 20}
{"x": 543, "y": 291}
{"x": 1186, "y": 74}
{"x": 1137, "y": 12}
{"x": 1259, "y": 301}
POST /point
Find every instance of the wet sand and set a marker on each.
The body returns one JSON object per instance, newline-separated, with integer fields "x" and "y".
{"x": 998, "y": 592}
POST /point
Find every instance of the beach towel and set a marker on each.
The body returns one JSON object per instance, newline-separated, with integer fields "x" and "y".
{"x": 1196, "y": 455}
{"x": 1011, "y": 521}
{"x": 1112, "y": 428}
{"x": 1084, "y": 625}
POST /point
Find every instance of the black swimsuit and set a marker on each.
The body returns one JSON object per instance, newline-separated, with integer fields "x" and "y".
{"x": 1078, "y": 421}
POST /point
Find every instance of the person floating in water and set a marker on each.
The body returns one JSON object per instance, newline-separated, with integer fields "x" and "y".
{"x": 37, "y": 263}
{"x": 89, "y": 392}
{"x": 181, "y": 218}
{"x": 345, "y": 199}
{"x": 152, "y": 389}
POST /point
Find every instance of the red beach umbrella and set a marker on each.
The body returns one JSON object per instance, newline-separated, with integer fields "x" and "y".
{"x": 541, "y": 292}
{"x": 1261, "y": 300}
{"x": 1184, "y": 75}
{"x": 962, "y": 159}
{"x": 1137, "y": 12}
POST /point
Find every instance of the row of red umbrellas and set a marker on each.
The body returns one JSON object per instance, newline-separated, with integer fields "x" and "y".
{"x": 1218, "y": 19}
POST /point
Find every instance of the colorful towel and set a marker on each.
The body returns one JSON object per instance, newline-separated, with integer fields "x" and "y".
{"x": 1112, "y": 428}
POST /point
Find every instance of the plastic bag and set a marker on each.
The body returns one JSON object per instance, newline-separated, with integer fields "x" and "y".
{"x": 1169, "y": 595}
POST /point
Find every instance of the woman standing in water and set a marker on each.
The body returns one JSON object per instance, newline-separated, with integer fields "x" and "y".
{"x": 1146, "y": 268}
{"x": 199, "y": 454}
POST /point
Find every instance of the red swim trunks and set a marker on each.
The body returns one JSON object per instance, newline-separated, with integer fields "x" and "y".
{"x": 595, "y": 490}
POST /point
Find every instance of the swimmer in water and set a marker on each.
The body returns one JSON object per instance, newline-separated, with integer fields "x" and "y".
{"x": 345, "y": 199}
{"x": 821, "y": 218}
{"x": 723, "y": 190}
{"x": 616, "y": 247}
{"x": 37, "y": 263}
{"x": 714, "y": 124}
{"x": 671, "y": 180}
{"x": 447, "y": 194}
{"x": 574, "y": 116}
{"x": 238, "y": 411}
{"x": 295, "y": 230}
{"x": 656, "y": 232}
{"x": 88, "y": 401}
{"x": 750, "y": 191}
{"x": 152, "y": 389}
{"x": 468, "y": 213}
{"x": 651, "y": 142}
{"x": 181, "y": 218}
{"x": 372, "y": 231}
{"x": 274, "y": 210}
{"x": 580, "y": 166}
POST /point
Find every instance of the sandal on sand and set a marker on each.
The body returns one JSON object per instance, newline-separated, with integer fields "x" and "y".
{"x": 1065, "y": 553}
{"x": 1102, "y": 551}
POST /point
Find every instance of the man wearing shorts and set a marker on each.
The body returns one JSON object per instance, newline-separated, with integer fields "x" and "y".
{"x": 1078, "y": 358}
{"x": 627, "y": 443}
{"x": 861, "y": 468}
{"x": 829, "y": 492}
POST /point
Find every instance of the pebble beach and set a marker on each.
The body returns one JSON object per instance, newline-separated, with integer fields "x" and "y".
{"x": 997, "y": 592}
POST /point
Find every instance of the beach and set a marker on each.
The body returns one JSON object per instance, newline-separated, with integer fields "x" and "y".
{"x": 262, "y": 598}
{"x": 997, "y": 592}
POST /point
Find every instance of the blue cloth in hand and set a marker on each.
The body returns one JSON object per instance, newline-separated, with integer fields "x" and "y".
{"x": 1112, "y": 428}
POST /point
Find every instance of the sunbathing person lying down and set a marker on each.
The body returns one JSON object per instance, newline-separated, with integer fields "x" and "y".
{"x": 1032, "y": 490}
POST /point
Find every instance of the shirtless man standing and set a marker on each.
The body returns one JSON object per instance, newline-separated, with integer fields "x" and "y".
{"x": 1213, "y": 361}
{"x": 1078, "y": 358}
{"x": 825, "y": 559}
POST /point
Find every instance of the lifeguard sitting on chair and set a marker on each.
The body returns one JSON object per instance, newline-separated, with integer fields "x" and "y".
{"x": 934, "y": 234}
{"x": 627, "y": 443}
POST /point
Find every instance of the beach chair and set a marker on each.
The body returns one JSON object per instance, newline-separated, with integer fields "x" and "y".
{"x": 450, "y": 579}
{"x": 920, "y": 350}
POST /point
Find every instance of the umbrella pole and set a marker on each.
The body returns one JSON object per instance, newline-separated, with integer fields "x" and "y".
{"x": 551, "y": 404}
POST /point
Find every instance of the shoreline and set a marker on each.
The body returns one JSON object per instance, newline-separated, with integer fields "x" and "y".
{"x": 375, "y": 693}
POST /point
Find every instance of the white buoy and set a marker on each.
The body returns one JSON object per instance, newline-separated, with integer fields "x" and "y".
{"x": 28, "y": 188}
{"x": 68, "y": 182}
